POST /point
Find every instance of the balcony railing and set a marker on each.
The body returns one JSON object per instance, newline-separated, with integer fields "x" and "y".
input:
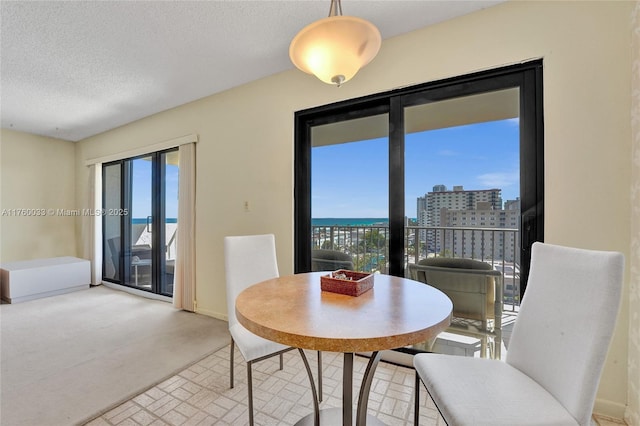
{"x": 368, "y": 247}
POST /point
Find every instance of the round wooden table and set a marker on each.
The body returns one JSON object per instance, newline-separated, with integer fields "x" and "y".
{"x": 293, "y": 310}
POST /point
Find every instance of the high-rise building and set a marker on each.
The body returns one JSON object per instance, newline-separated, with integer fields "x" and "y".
{"x": 460, "y": 208}
{"x": 483, "y": 237}
{"x": 421, "y": 207}
{"x": 512, "y": 204}
{"x": 431, "y": 205}
{"x": 459, "y": 199}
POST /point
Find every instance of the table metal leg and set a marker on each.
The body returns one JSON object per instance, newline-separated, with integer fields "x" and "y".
{"x": 316, "y": 405}
{"x": 363, "y": 398}
{"x": 347, "y": 390}
{"x": 346, "y": 414}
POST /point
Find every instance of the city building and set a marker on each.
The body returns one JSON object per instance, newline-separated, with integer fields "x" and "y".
{"x": 434, "y": 203}
{"x": 485, "y": 241}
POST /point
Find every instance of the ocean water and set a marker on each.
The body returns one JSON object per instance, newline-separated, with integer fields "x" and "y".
{"x": 349, "y": 221}
{"x": 139, "y": 220}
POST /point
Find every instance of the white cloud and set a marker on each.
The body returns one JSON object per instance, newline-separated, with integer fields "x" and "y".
{"x": 498, "y": 180}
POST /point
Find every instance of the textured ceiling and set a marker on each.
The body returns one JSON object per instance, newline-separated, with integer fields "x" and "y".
{"x": 73, "y": 69}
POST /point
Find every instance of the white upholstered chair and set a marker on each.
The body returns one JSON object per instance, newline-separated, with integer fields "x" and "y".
{"x": 556, "y": 352}
{"x": 250, "y": 259}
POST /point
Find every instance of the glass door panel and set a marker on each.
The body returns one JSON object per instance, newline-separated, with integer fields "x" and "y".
{"x": 462, "y": 199}
{"x": 140, "y": 261}
{"x": 349, "y": 194}
{"x": 462, "y": 179}
{"x": 111, "y": 225}
{"x": 170, "y": 163}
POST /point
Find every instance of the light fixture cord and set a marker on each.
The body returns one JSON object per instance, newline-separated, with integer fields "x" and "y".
{"x": 336, "y": 8}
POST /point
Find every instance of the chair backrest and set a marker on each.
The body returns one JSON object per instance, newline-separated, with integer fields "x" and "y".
{"x": 567, "y": 317}
{"x": 470, "y": 284}
{"x": 330, "y": 260}
{"x": 248, "y": 259}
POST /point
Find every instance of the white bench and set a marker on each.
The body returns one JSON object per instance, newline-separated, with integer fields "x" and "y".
{"x": 31, "y": 279}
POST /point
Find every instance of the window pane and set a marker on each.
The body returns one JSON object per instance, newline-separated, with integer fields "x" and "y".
{"x": 349, "y": 193}
{"x": 141, "y": 223}
{"x": 462, "y": 194}
{"x": 112, "y": 182}
{"x": 462, "y": 170}
{"x": 171, "y": 161}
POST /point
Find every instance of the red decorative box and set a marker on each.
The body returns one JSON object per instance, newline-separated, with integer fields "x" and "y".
{"x": 347, "y": 282}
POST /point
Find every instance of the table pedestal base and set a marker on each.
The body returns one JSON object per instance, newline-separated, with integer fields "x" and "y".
{"x": 344, "y": 415}
{"x": 333, "y": 417}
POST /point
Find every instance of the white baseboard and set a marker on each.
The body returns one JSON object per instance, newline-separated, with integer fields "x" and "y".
{"x": 611, "y": 409}
{"x": 137, "y": 292}
{"x": 213, "y": 314}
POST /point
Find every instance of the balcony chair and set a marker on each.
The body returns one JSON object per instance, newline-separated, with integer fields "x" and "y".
{"x": 248, "y": 260}
{"x": 475, "y": 289}
{"x": 556, "y": 353}
{"x": 142, "y": 251}
{"x": 330, "y": 260}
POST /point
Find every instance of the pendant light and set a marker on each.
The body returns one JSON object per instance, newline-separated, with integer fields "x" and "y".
{"x": 336, "y": 47}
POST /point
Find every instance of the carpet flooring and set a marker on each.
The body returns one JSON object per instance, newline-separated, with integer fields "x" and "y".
{"x": 67, "y": 358}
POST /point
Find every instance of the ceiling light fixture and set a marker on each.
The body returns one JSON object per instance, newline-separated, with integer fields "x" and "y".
{"x": 336, "y": 47}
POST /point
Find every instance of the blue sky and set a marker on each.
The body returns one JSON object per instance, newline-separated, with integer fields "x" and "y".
{"x": 141, "y": 193}
{"x": 350, "y": 180}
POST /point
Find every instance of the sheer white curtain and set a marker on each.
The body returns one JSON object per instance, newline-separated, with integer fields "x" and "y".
{"x": 184, "y": 285}
{"x": 92, "y": 247}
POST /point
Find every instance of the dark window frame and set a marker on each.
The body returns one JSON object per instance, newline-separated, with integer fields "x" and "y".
{"x": 526, "y": 76}
{"x": 158, "y": 237}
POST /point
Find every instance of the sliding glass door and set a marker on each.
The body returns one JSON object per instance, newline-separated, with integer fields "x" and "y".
{"x": 139, "y": 242}
{"x": 456, "y": 165}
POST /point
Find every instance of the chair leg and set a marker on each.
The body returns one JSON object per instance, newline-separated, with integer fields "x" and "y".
{"x": 281, "y": 362}
{"x": 416, "y": 408}
{"x": 320, "y": 376}
{"x": 250, "y": 391}
{"x": 483, "y": 347}
{"x": 233, "y": 344}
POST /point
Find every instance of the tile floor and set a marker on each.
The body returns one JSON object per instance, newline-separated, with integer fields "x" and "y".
{"x": 200, "y": 395}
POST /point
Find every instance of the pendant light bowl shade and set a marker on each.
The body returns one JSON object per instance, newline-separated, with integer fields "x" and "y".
{"x": 335, "y": 48}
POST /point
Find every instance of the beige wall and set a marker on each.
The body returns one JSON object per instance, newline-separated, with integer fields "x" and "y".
{"x": 36, "y": 174}
{"x": 633, "y": 412}
{"x": 246, "y": 136}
